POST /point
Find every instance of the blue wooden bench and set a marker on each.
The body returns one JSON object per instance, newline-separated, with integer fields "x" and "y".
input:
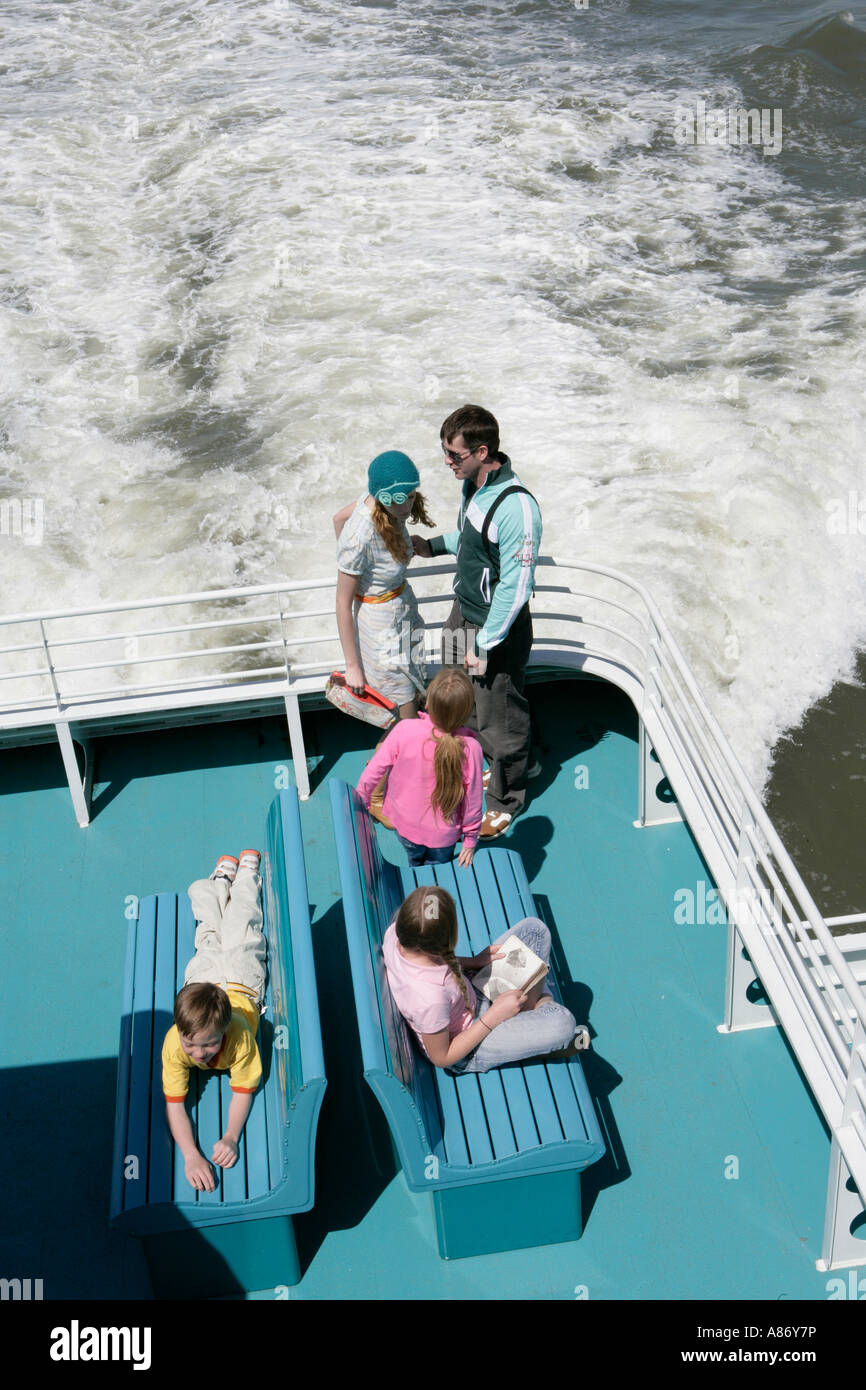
{"x": 501, "y": 1153}
{"x": 239, "y": 1237}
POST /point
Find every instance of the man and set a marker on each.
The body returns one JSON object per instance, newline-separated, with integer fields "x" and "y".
{"x": 489, "y": 628}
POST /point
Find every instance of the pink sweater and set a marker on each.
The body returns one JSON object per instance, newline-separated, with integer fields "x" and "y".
{"x": 407, "y": 756}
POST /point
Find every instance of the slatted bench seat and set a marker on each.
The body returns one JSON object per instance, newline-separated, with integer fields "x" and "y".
{"x": 240, "y": 1236}
{"x": 500, "y": 1152}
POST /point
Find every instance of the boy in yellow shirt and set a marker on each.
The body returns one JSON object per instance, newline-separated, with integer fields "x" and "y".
{"x": 216, "y": 1014}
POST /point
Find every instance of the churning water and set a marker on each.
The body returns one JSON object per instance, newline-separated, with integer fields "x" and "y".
{"x": 248, "y": 244}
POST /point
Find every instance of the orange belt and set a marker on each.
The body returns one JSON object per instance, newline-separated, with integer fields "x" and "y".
{"x": 380, "y": 598}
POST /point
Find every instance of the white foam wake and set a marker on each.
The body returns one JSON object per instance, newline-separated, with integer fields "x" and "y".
{"x": 252, "y": 245}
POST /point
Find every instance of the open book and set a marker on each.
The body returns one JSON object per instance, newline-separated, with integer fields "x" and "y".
{"x": 519, "y": 968}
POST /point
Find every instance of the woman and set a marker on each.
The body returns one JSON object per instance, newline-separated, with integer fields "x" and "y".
{"x": 377, "y": 616}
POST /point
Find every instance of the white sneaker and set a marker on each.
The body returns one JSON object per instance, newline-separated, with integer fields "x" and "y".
{"x": 494, "y": 824}
{"x": 227, "y": 867}
{"x": 250, "y": 859}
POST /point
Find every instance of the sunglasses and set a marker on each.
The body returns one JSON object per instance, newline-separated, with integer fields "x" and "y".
{"x": 458, "y": 458}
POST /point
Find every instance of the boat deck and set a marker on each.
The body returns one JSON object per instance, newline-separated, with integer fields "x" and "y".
{"x": 713, "y": 1187}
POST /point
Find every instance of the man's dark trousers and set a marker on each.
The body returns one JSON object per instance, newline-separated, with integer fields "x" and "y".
{"x": 501, "y": 714}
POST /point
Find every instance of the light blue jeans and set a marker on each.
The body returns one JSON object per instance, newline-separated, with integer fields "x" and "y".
{"x": 533, "y": 1033}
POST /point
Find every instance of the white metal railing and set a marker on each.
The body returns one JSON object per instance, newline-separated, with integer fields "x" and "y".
{"x": 59, "y": 685}
{"x": 99, "y": 665}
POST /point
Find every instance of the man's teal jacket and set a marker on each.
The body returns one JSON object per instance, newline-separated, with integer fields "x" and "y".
{"x": 493, "y": 582}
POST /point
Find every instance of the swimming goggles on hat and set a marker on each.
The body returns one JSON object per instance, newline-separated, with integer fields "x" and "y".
{"x": 387, "y": 497}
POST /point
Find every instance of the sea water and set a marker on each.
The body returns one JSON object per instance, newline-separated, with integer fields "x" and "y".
{"x": 249, "y": 244}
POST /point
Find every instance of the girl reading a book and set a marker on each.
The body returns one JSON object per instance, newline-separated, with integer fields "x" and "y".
{"x": 377, "y": 615}
{"x": 434, "y": 768}
{"x": 457, "y": 1027}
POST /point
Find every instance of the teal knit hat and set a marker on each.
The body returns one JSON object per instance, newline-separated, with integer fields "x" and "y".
{"x": 391, "y": 474}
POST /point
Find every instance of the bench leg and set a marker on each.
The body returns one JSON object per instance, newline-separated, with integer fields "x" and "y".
{"x": 215, "y": 1261}
{"x": 485, "y": 1218}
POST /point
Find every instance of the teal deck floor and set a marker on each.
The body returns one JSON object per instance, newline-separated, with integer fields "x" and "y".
{"x": 683, "y": 1107}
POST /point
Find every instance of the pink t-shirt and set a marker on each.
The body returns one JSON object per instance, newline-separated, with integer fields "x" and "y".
{"x": 428, "y": 996}
{"x": 406, "y": 754}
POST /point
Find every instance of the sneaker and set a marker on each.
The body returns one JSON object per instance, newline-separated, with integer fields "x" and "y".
{"x": 533, "y": 771}
{"x": 250, "y": 859}
{"x": 494, "y": 824}
{"x": 227, "y": 867}
{"x": 579, "y": 1043}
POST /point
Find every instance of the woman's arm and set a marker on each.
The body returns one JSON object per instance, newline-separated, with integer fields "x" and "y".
{"x": 346, "y": 629}
{"x": 342, "y": 516}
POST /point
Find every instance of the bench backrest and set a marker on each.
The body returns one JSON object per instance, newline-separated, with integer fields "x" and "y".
{"x": 294, "y": 996}
{"x": 372, "y": 893}
{"x": 275, "y": 1169}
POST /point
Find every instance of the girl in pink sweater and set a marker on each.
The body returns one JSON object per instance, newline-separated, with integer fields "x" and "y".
{"x": 434, "y": 791}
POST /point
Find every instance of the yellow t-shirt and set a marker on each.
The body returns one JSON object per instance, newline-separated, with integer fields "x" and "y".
{"x": 238, "y": 1055}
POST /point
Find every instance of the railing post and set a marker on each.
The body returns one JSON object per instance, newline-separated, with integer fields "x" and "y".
{"x": 79, "y": 787}
{"x": 293, "y": 716}
{"x": 746, "y": 1004}
{"x": 50, "y": 664}
{"x": 299, "y": 752}
{"x": 845, "y": 1205}
{"x": 656, "y": 802}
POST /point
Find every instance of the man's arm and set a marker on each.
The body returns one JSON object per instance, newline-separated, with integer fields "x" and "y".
{"x": 519, "y": 536}
{"x": 446, "y": 544}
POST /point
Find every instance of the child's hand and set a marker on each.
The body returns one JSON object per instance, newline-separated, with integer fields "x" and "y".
{"x": 464, "y": 859}
{"x": 199, "y": 1173}
{"x": 225, "y": 1152}
{"x": 484, "y": 957}
{"x": 506, "y": 1005}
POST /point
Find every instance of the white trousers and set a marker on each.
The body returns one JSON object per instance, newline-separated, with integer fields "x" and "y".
{"x": 229, "y": 945}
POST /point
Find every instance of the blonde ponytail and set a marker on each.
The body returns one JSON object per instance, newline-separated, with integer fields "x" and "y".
{"x": 450, "y": 698}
